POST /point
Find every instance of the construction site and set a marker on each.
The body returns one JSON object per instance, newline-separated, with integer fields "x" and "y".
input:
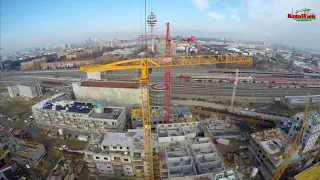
{"x": 136, "y": 130}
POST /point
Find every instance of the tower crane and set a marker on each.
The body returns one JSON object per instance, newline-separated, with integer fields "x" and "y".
{"x": 144, "y": 64}
{"x": 168, "y": 39}
{"x": 294, "y": 145}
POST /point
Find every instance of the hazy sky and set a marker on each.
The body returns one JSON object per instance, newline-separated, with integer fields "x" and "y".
{"x": 33, "y": 23}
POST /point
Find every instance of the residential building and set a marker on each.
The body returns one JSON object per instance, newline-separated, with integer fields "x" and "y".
{"x": 161, "y": 48}
{"x": 32, "y": 65}
{"x": 267, "y": 149}
{"x": 13, "y": 90}
{"x": 120, "y": 155}
{"x": 29, "y": 90}
{"x": 157, "y": 116}
{"x": 59, "y": 112}
{"x": 311, "y": 132}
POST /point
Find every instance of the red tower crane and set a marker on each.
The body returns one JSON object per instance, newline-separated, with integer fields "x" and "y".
{"x": 167, "y": 59}
{"x": 168, "y": 68}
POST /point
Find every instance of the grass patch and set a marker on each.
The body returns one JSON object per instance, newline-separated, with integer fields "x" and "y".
{"x": 3, "y": 89}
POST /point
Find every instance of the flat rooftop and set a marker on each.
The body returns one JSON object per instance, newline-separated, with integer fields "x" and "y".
{"x": 178, "y": 131}
{"x": 107, "y": 84}
{"x": 69, "y": 106}
{"x": 30, "y": 84}
{"x": 128, "y": 139}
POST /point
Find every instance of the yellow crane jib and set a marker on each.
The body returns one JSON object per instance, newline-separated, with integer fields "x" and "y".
{"x": 143, "y": 64}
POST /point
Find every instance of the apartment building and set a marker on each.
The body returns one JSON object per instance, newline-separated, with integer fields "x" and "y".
{"x": 119, "y": 155}
{"x": 13, "y": 90}
{"x": 59, "y": 112}
{"x": 267, "y": 150}
{"x": 311, "y": 132}
{"x": 186, "y": 151}
{"x": 157, "y": 116}
{"x": 28, "y": 90}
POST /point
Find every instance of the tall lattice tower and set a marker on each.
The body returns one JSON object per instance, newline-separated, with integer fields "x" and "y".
{"x": 152, "y": 21}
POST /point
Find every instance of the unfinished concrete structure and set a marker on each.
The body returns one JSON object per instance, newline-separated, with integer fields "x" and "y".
{"x": 267, "y": 148}
{"x": 119, "y": 155}
{"x": 28, "y": 90}
{"x": 191, "y": 157}
{"x": 158, "y": 94}
{"x": 311, "y": 132}
{"x": 157, "y": 116}
{"x": 82, "y": 117}
{"x": 186, "y": 151}
{"x": 225, "y": 129}
{"x": 230, "y": 174}
{"x": 112, "y": 93}
{"x": 66, "y": 169}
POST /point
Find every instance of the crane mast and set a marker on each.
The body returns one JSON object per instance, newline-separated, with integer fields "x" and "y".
{"x": 145, "y": 113}
{"x": 143, "y": 64}
{"x": 294, "y": 145}
{"x": 234, "y": 88}
{"x": 168, "y": 74}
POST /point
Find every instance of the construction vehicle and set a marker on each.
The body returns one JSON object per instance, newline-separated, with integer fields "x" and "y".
{"x": 295, "y": 144}
{"x": 144, "y": 65}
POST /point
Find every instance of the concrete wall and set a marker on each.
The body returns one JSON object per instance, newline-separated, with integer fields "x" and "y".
{"x": 107, "y": 96}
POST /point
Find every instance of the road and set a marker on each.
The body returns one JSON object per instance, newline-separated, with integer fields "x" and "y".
{"x": 27, "y": 127}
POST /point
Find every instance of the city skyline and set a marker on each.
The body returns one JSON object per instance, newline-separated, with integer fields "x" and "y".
{"x": 37, "y": 23}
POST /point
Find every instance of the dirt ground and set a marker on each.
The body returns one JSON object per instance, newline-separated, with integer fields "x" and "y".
{"x": 18, "y": 106}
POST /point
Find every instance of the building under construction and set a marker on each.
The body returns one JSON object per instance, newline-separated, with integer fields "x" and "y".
{"x": 120, "y": 155}
{"x": 185, "y": 152}
{"x": 267, "y": 150}
{"x": 157, "y": 116}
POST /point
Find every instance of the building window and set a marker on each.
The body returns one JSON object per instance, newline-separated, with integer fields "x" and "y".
{"x": 126, "y": 159}
{"x": 128, "y": 148}
{"x": 120, "y": 147}
{"x": 114, "y": 147}
{"x": 105, "y": 158}
{"x": 128, "y": 169}
{"x": 97, "y": 157}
